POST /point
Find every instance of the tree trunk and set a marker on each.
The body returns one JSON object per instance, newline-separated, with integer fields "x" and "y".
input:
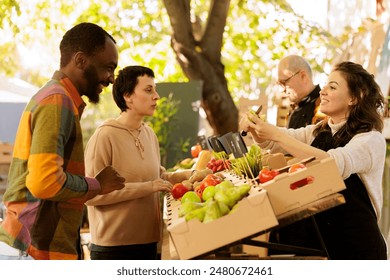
{"x": 199, "y": 55}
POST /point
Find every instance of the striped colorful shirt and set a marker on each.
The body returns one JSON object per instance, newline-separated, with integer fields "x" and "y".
{"x": 46, "y": 184}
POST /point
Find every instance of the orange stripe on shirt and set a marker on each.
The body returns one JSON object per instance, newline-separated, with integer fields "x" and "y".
{"x": 49, "y": 180}
{"x": 22, "y": 144}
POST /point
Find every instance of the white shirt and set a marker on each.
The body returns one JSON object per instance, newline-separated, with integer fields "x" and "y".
{"x": 364, "y": 155}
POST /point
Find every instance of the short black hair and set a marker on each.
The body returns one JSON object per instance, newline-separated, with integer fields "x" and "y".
{"x": 85, "y": 37}
{"x": 126, "y": 81}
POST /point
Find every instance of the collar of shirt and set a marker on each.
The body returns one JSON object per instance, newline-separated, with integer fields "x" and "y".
{"x": 312, "y": 97}
{"x": 74, "y": 94}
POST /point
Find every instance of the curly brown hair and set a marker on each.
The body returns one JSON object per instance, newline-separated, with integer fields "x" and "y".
{"x": 366, "y": 114}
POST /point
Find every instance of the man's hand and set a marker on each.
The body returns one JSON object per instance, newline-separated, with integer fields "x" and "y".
{"x": 109, "y": 180}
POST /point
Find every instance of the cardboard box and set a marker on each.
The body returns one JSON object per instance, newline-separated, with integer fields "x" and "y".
{"x": 194, "y": 238}
{"x": 291, "y": 190}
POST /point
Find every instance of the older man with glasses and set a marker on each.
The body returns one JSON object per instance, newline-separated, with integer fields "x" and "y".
{"x": 295, "y": 78}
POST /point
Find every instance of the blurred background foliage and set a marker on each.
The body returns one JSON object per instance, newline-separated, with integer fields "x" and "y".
{"x": 257, "y": 35}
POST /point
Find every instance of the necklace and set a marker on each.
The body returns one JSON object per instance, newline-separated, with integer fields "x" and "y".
{"x": 138, "y": 142}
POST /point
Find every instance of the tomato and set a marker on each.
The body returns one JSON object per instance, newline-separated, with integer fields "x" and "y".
{"x": 199, "y": 190}
{"x": 178, "y": 190}
{"x": 211, "y": 180}
{"x": 295, "y": 167}
{"x": 195, "y": 150}
{"x": 266, "y": 175}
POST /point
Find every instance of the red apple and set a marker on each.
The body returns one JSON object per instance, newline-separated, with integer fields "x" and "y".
{"x": 178, "y": 190}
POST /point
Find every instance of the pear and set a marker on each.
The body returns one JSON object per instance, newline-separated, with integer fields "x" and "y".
{"x": 226, "y": 184}
{"x": 224, "y": 208}
{"x": 243, "y": 189}
{"x": 196, "y": 214}
{"x": 212, "y": 212}
{"x": 208, "y": 192}
{"x": 234, "y": 194}
{"x": 223, "y": 197}
{"x": 188, "y": 206}
{"x": 234, "y": 209}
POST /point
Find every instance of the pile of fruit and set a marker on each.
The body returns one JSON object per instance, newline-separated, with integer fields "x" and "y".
{"x": 197, "y": 182}
{"x": 206, "y": 196}
{"x": 216, "y": 201}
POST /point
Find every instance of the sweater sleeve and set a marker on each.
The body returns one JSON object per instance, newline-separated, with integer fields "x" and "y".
{"x": 98, "y": 154}
{"x": 303, "y": 134}
{"x": 361, "y": 154}
{"x": 52, "y": 124}
{"x": 129, "y": 192}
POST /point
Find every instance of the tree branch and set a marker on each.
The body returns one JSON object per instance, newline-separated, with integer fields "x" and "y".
{"x": 179, "y": 13}
{"x": 213, "y": 36}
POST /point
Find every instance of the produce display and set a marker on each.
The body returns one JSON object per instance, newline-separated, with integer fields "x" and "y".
{"x": 227, "y": 187}
{"x": 207, "y": 195}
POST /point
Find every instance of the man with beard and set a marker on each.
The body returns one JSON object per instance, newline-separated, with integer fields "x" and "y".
{"x": 47, "y": 187}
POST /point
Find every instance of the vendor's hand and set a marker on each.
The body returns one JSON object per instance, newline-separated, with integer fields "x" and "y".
{"x": 244, "y": 123}
{"x": 260, "y": 129}
{"x": 161, "y": 185}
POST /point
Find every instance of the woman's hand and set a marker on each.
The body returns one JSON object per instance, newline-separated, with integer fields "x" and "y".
{"x": 261, "y": 130}
{"x": 161, "y": 185}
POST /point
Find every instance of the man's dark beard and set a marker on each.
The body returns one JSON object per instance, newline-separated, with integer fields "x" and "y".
{"x": 93, "y": 83}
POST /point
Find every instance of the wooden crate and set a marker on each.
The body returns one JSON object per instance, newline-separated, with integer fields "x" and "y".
{"x": 6, "y": 153}
{"x": 5, "y": 161}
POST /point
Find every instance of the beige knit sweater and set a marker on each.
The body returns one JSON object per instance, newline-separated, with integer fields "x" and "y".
{"x": 131, "y": 215}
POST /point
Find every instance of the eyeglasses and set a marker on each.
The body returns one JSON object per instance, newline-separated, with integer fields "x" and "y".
{"x": 283, "y": 83}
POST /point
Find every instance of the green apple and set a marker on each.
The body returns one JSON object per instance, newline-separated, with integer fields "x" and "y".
{"x": 190, "y": 196}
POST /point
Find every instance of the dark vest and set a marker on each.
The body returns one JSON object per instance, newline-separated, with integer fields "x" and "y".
{"x": 304, "y": 113}
{"x": 350, "y": 231}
